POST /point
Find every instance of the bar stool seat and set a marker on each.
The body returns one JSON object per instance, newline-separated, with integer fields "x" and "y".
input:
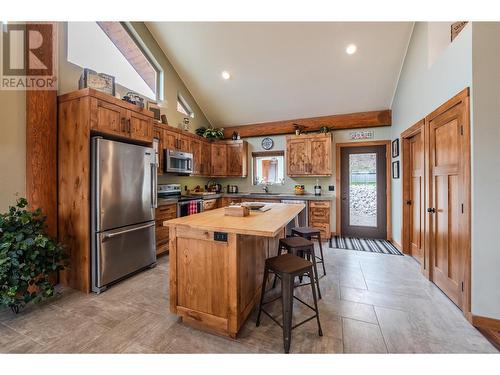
{"x": 288, "y": 266}
{"x": 311, "y": 233}
{"x": 301, "y": 247}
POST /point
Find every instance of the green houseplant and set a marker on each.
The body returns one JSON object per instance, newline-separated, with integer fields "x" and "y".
{"x": 212, "y": 133}
{"x": 200, "y": 131}
{"x": 27, "y": 257}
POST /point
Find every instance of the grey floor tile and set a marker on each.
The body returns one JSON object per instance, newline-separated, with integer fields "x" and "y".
{"x": 361, "y": 337}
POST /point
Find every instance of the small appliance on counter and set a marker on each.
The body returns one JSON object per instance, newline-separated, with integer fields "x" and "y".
{"x": 186, "y": 204}
{"x": 317, "y": 188}
{"x": 232, "y": 189}
{"x": 213, "y": 186}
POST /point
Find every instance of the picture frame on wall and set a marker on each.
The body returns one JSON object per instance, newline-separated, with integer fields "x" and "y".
{"x": 395, "y": 169}
{"x": 395, "y": 148}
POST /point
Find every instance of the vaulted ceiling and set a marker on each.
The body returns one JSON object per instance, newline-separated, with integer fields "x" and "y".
{"x": 285, "y": 70}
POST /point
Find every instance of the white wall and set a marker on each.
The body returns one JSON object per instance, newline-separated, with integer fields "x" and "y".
{"x": 485, "y": 176}
{"x": 421, "y": 89}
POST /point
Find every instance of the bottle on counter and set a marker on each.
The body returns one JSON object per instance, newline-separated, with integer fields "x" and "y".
{"x": 317, "y": 188}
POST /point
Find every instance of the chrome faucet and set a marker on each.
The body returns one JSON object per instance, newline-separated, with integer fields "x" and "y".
{"x": 265, "y": 187}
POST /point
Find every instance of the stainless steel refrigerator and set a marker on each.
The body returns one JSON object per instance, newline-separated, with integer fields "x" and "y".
{"x": 123, "y": 207}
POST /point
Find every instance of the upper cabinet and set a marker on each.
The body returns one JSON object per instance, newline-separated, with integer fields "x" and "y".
{"x": 309, "y": 155}
{"x": 110, "y": 116}
{"x": 237, "y": 158}
{"x": 177, "y": 141}
{"x": 229, "y": 158}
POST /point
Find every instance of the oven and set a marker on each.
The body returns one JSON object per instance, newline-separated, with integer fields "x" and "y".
{"x": 186, "y": 207}
{"x": 178, "y": 162}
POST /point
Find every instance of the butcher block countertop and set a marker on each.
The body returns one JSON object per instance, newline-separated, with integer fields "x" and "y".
{"x": 258, "y": 223}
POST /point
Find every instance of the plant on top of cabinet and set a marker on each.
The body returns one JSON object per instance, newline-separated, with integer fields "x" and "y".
{"x": 213, "y": 133}
{"x": 309, "y": 155}
{"x": 27, "y": 257}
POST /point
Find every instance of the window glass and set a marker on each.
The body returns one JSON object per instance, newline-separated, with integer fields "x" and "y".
{"x": 107, "y": 47}
{"x": 269, "y": 168}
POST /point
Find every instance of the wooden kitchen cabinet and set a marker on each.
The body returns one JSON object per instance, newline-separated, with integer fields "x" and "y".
{"x": 319, "y": 217}
{"x": 210, "y": 204}
{"x": 109, "y": 118}
{"x": 226, "y": 201}
{"x": 175, "y": 140}
{"x": 218, "y": 159}
{"x": 206, "y": 158}
{"x": 81, "y": 115}
{"x": 309, "y": 155}
{"x": 164, "y": 212}
{"x": 237, "y": 158}
{"x": 195, "y": 147}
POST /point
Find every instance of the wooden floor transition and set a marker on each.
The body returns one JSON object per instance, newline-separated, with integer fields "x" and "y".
{"x": 372, "y": 303}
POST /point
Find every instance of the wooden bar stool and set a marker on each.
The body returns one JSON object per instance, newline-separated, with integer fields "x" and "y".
{"x": 301, "y": 247}
{"x": 310, "y": 233}
{"x": 288, "y": 266}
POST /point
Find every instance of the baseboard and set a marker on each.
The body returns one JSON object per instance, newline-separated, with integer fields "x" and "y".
{"x": 485, "y": 322}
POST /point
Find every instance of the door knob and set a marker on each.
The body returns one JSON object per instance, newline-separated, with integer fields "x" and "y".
{"x": 431, "y": 210}
{"x": 408, "y": 202}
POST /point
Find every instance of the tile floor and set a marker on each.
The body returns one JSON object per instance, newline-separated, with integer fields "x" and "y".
{"x": 372, "y": 303}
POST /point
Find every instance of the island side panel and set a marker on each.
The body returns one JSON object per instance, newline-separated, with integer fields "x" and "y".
{"x": 172, "y": 246}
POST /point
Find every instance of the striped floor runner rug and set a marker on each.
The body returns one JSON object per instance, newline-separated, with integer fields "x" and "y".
{"x": 363, "y": 244}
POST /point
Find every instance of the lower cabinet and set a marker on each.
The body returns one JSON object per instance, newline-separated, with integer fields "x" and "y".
{"x": 164, "y": 212}
{"x": 319, "y": 217}
{"x": 210, "y": 204}
{"x": 227, "y": 201}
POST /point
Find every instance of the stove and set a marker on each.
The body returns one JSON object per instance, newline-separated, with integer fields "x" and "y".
{"x": 184, "y": 207}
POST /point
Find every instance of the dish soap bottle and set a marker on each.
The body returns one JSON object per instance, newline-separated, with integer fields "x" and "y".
{"x": 317, "y": 188}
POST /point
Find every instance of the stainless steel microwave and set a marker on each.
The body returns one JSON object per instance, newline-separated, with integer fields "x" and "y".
{"x": 178, "y": 162}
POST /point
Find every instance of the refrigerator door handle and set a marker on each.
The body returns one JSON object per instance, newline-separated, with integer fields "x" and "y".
{"x": 154, "y": 185}
{"x": 115, "y": 234}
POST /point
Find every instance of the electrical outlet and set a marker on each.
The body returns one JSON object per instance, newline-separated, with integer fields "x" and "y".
{"x": 331, "y": 188}
{"x": 220, "y": 236}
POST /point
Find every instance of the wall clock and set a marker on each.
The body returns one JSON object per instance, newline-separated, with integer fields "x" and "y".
{"x": 267, "y": 143}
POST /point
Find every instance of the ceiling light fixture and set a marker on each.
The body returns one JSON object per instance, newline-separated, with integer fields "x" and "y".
{"x": 351, "y": 49}
{"x": 226, "y": 75}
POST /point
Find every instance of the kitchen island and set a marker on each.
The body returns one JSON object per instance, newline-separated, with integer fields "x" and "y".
{"x": 217, "y": 264}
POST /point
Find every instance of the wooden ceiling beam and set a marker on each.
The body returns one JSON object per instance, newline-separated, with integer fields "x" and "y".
{"x": 335, "y": 122}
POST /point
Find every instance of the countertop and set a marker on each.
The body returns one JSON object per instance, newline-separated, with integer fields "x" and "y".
{"x": 306, "y": 197}
{"x": 258, "y": 223}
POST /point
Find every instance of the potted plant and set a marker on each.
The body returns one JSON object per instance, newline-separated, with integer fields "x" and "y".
{"x": 200, "y": 131}
{"x": 28, "y": 257}
{"x": 212, "y": 133}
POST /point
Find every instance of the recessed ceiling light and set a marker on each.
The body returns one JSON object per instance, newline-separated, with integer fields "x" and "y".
{"x": 351, "y": 49}
{"x": 226, "y": 75}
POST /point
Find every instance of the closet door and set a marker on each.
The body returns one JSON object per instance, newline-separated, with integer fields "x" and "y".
{"x": 449, "y": 199}
{"x": 416, "y": 200}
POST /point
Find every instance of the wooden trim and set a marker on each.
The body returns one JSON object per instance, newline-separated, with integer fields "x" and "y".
{"x": 397, "y": 245}
{"x": 335, "y": 122}
{"x": 41, "y": 154}
{"x": 105, "y": 97}
{"x": 268, "y": 153}
{"x": 338, "y": 179}
{"x": 413, "y": 130}
{"x": 457, "y": 99}
{"x": 485, "y": 322}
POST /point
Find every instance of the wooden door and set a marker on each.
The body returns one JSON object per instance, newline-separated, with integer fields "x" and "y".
{"x": 206, "y": 157}
{"x": 320, "y": 156}
{"x": 364, "y": 191}
{"x": 170, "y": 140}
{"x": 448, "y": 202}
{"x": 218, "y": 158}
{"x": 195, "y": 148}
{"x": 235, "y": 159}
{"x": 416, "y": 198}
{"x": 140, "y": 127}
{"x": 108, "y": 118}
{"x": 297, "y": 155}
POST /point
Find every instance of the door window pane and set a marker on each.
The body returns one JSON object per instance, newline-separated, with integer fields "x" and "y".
{"x": 363, "y": 190}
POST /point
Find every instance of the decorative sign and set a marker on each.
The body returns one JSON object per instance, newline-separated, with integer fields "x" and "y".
{"x": 267, "y": 143}
{"x": 456, "y": 28}
{"x": 361, "y": 134}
